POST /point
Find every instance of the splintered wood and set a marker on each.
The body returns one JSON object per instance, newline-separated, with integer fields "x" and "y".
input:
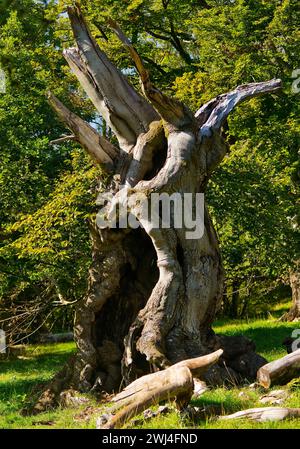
{"x": 174, "y": 383}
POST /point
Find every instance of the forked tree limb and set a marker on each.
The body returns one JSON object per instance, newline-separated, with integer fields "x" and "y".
{"x": 212, "y": 116}
{"x": 224, "y": 104}
{"x": 175, "y": 382}
{"x": 100, "y": 149}
{"x": 126, "y": 112}
{"x": 264, "y": 414}
{"x": 280, "y": 371}
{"x": 170, "y": 109}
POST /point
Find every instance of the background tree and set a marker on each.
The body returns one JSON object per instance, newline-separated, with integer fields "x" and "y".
{"x": 254, "y": 193}
{"x": 37, "y": 182}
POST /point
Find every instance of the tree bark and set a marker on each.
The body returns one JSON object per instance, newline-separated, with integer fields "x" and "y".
{"x": 153, "y": 292}
{"x": 235, "y": 299}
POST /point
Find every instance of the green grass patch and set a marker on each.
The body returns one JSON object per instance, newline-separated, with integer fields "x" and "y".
{"x": 18, "y": 376}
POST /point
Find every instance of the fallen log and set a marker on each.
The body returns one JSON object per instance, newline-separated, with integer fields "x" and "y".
{"x": 56, "y": 338}
{"x": 280, "y": 371}
{"x": 175, "y": 382}
{"x": 265, "y": 414}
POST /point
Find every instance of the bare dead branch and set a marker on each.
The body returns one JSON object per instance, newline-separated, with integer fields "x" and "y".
{"x": 101, "y": 150}
{"x": 212, "y": 116}
{"x": 62, "y": 140}
{"x": 264, "y": 414}
{"x": 227, "y": 102}
{"x": 126, "y": 112}
{"x": 171, "y": 110}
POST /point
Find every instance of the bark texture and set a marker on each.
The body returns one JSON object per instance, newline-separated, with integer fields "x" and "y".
{"x": 153, "y": 292}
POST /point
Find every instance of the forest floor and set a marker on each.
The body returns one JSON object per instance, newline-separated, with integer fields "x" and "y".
{"x": 18, "y": 376}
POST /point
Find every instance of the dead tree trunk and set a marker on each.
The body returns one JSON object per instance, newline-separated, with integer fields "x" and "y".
{"x": 153, "y": 291}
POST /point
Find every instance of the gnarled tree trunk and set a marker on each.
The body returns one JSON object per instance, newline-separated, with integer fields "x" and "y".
{"x": 153, "y": 292}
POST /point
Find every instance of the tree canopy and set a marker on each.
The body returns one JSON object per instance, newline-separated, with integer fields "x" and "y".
{"x": 200, "y": 49}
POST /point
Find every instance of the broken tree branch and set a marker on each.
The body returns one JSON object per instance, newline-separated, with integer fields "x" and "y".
{"x": 126, "y": 112}
{"x": 280, "y": 371}
{"x": 62, "y": 140}
{"x": 212, "y": 116}
{"x": 175, "y": 382}
{"x": 227, "y": 102}
{"x": 100, "y": 149}
{"x": 170, "y": 109}
{"x": 264, "y": 414}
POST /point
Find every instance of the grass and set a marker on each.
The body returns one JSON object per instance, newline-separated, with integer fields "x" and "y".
{"x": 39, "y": 363}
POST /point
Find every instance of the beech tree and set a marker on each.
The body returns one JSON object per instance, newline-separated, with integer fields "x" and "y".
{"x": 153, "y": 293}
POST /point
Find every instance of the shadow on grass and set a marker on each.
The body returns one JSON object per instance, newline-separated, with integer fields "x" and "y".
{"x": 14, "y": 392}
{"x": 43, "y": 362}
{"x": 228, "y": 404}
{"x": 266, "y": 338}
{"x": 14, "y": 384}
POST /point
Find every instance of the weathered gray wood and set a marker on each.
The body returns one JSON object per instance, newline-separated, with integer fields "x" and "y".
{"x": 166, "y": 385}
{"x": 265, "y": 414}
{"x": 175, "y": 382}
{"x": 125, "y": 111}
{"x": 100, "y": 149}
{"x": 212, "y": 115}
{"x": 280, "y": 371}
{"x": 224, "y": 104}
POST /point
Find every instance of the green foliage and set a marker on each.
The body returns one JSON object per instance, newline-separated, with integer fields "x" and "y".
{"x": 254, "y": 194}
{"x": 36, "y": 251}
{"x": 194, "y": 50}
{"x": 55, "y": 237}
